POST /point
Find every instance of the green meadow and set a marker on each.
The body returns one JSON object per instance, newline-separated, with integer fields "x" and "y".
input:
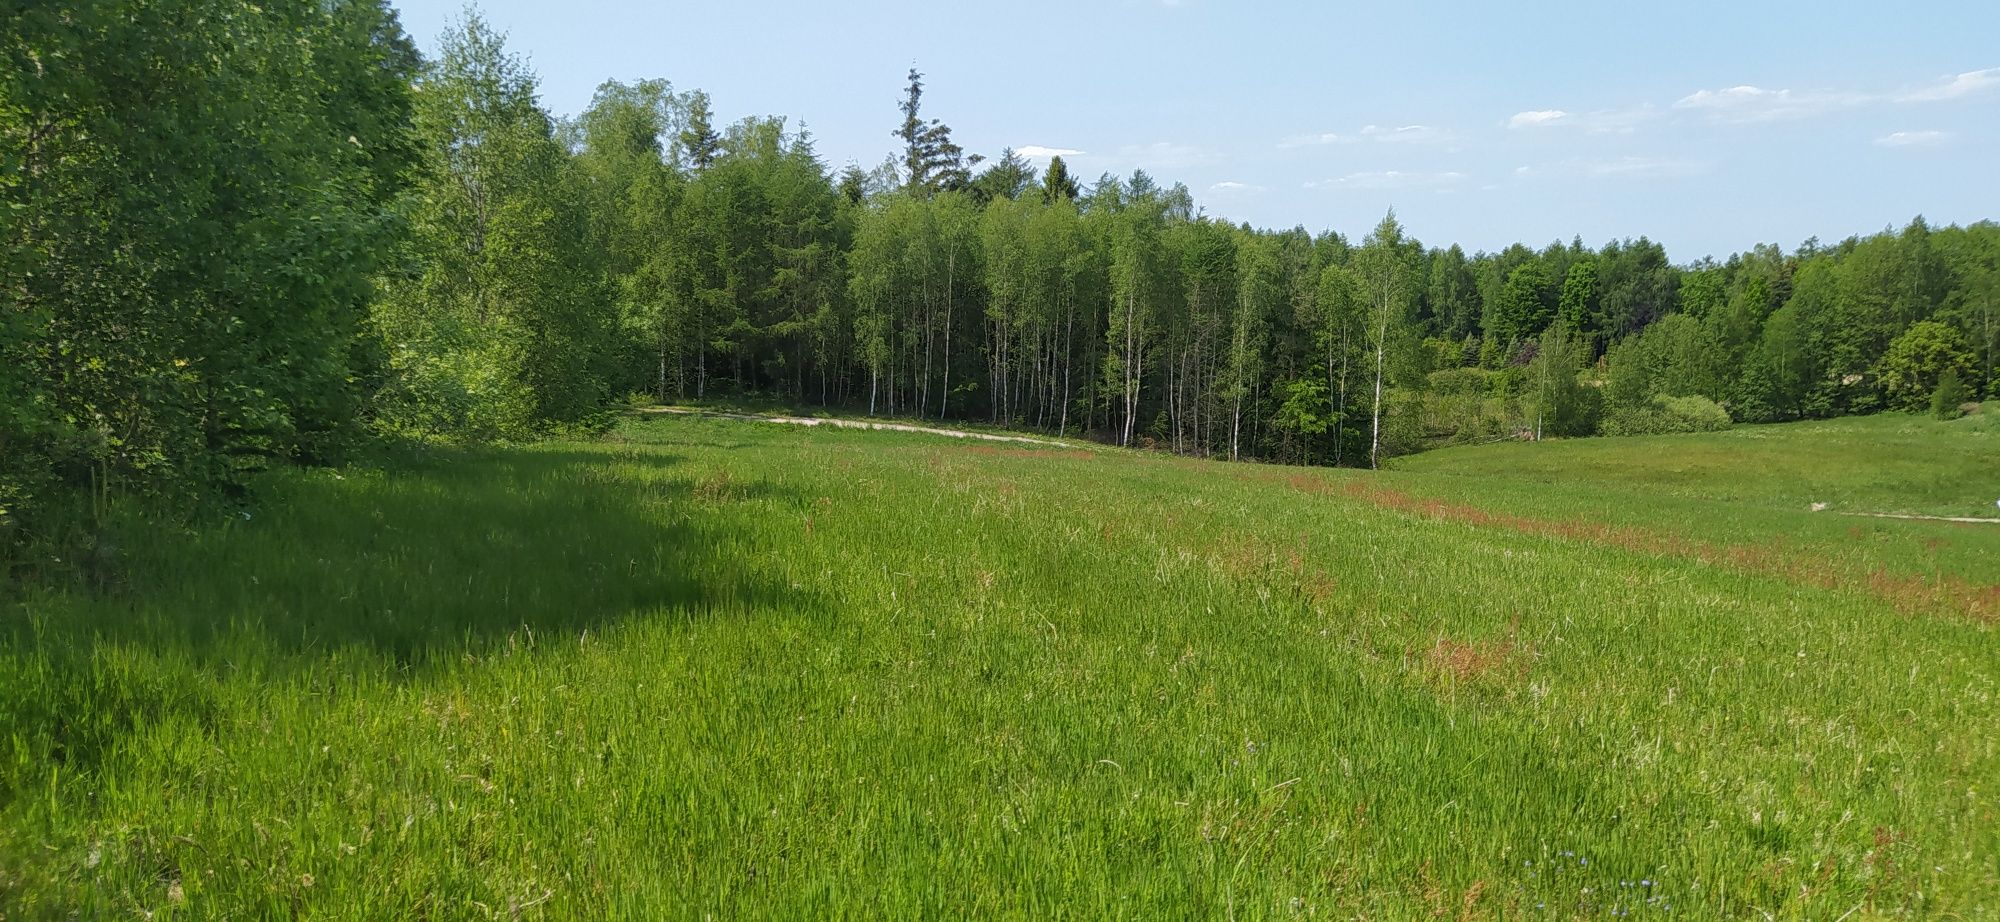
{"x": 715, "y": 669}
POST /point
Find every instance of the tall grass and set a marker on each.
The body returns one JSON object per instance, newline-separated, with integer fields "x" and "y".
{"x": 716, "y": 668}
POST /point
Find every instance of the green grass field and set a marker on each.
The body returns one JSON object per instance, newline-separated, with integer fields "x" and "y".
{"x": 704, "y": 668}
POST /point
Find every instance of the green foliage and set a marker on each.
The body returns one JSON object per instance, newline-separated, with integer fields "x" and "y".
{"x": 1950, "y": 397}
{"x": 1526, "y": 304}
{"x": 1557, "y": 402}
{"x": 932, "y": 162}
{"x": 1674, "y": 357}
{"x": 1664, "y": 414}
{"x": 1462, "y": 405}
{"x": 1578, "y": 305}
{"x": 1303, "y": 414}
{"x": 197, "y": 200}
{"x": 500, "y": 330}
{"x": 1915, "y": 364}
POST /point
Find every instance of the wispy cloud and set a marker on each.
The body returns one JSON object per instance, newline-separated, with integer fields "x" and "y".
{"x": 1230, "y": 186}
{"x": 1634, "y": 167}
{"x": 1038, "y": 152}
{"x": 1404, "y": 134}
{"x": 1600, "y": 121}
{"x": 1757, "y": 104}
{"x": 1390, "y": 179}
{"x": 1964, "y": 84}
{"x": 1407, "y": 133}
{"x": 1750, "y": 104}
{"x": 1313, "y": 140}
{"x": 1913, "y": 139}
{"x": 1536, "y": 118}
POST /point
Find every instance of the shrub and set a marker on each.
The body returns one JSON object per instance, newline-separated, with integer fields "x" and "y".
{"x": 1668, "y": 414}
{"x": 1947, "y": 402}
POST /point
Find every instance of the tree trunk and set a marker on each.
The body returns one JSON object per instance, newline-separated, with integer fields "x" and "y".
{"x": 1381, "y": 353}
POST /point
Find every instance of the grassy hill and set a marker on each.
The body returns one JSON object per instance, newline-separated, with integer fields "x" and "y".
{"x": 713, "y": 667}
{"x": 1890, "y": 462}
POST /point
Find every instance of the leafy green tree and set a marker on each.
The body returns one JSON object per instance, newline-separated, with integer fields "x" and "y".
{"x": 1302, "y": 413}
{"x": 1577, "y": 306}
{"x": 1917, "y": 361}
{"x": 1383, "y": 267}
{"x": 197, "y": 197}
{"x": 1337, "y": 321}
{"x": 1261, "y": 292}
{"x": 501, "y": 331}
{"x": 1784, "y": 368}
{"x": 1137, "y": 269}
{"x": 1558, "y": 403}
{"x": 1453, "y": 293}
{"x": 1526, "y": 303}
{"x": 624, "y": 143}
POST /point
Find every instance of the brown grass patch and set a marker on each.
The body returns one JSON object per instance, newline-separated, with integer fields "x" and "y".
{"x": 719, "y": 487}
{"x": 1473, "y": 661}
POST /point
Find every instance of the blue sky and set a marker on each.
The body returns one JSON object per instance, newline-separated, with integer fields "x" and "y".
{"x": 1707, "y": 126}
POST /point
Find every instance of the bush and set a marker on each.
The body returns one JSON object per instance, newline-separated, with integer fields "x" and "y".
{"x": 1668, "y": 414}
{"x": 1947, "y": 402}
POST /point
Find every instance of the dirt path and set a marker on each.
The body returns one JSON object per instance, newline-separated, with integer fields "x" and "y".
{"x": 1927, "y": 518}
{"x": 855, "y": 424}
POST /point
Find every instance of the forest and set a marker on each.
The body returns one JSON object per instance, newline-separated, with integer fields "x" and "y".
{"x": 238, "y": 236}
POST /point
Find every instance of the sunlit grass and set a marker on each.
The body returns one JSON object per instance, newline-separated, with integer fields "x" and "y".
{"x": 708, "y": 667}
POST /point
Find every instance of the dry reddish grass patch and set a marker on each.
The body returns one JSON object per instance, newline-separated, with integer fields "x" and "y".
{"x": 1478, "y": 660}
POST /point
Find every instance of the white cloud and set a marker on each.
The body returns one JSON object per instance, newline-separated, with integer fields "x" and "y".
{"x": 1405, "y": 133}
{"x": 1228, "y": 186}
{"x": 1390, "y": 179}
{"x": 1964, "y": 84}
{"x": 1536, "y": 118}
{"x": 1913, "y": 139}
{"x": 1038, "y": 152}
{"x": 1629, "y": 167}
{"x": 1651, "y": 167}
{"x": 1617, "y": 121}
{"x": 1599, "y": 121}
{"x": 1313, "y": 140}
{"x": 1757, "y": 104}
{"x": 1744, "y": 104}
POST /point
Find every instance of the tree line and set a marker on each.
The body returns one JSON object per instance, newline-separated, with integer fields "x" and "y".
{"x": 242, "y": 233}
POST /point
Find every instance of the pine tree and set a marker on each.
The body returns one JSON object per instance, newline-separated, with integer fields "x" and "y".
{"x": 932, "y": 163}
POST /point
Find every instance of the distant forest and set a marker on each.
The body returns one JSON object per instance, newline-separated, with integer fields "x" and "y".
{"x": 241, "y": 234}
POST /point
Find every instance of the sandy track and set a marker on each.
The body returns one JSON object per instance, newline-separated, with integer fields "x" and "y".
{"x": 855, "y": 424}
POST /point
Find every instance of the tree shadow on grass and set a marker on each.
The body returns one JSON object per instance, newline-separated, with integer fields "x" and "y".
{"x": 393, "y": 571}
